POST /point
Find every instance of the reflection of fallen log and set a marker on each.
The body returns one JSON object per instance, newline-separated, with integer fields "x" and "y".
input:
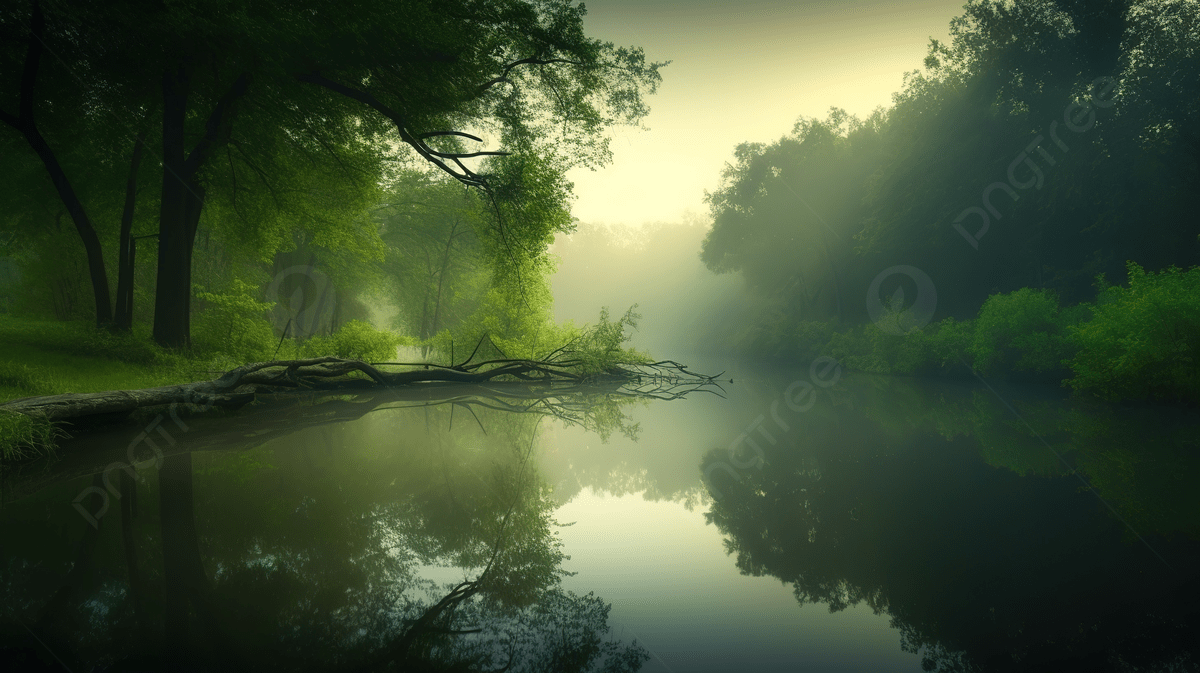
{"x": 240, "y": 386}
{"x": 278, "y": 413}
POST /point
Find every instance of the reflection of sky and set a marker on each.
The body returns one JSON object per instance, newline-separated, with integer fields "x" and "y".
{"x": 742, "y": 71}
{"x": 666, "y": 572}
{"x": 674, "y": 589}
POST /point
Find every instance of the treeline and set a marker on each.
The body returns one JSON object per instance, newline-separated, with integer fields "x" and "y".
{"x": 1048, "y": 143}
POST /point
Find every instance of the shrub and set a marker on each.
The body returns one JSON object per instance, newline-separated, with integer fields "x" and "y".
{"x": 1019, "y": 331}
{"x": 867, "y": 348}
{"x": 233, "y": 323}
{"x": 948, "y": 344}
{"x": 601, "y": 347}
{"x": 1142, "y": 341}
{"x": 356, "y": 340}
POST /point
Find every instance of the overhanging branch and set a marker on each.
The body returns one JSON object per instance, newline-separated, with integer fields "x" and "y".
{"x": 416, "y": 141}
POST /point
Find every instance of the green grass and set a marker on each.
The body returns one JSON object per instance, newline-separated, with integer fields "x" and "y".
{"x": 51, "y": 358}
{"x": 23, "y": 437}
{"x": 26, "y": 371}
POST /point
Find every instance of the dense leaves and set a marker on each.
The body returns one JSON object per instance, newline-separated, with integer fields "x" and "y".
{"x": 1047, "y": 142}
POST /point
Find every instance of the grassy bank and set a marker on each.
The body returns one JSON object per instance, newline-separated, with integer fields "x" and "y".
{"x": 51, "y": 358}
{"x": 39, "y": 357}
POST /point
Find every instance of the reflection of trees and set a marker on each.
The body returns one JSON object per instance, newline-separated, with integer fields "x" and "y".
{"x": 312, "y": 553}
{"x": 1143, "y": 461}
{"x": 984, "y": 569}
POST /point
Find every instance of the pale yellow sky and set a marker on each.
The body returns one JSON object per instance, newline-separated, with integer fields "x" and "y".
{"x": 742, "y": 71}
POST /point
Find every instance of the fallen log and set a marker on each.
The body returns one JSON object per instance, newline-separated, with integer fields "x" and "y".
{"x": 239, "y": 386}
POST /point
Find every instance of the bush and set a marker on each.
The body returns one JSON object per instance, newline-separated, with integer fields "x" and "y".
{"x": 601, "y": 347}
{"x": 1142, "y": 341}
{"x": 868, "y": 348}
{"x": 233, "y": 323}
{"x": 1021, "y": 331}
{"x": 356, "y": 340}
{"x": 948, "y": 343}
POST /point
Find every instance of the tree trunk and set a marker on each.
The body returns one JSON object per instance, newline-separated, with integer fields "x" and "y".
{"x": 172, "y": 286}
{"x": 24, "y": 123}
{"x": 183, "y": 201}
{"x": 124, "y": 318}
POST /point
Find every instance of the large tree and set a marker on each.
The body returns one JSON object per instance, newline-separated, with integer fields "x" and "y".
{"x": 429, "y": 76}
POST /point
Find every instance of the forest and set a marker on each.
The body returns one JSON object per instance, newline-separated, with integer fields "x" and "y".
{"x": 1038, "y": 174}
{"x": 217, "y": 209}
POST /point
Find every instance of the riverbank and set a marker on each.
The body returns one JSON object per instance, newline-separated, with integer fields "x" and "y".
{"x": 1135, "y": 342}
{"x": 41, "y": 357}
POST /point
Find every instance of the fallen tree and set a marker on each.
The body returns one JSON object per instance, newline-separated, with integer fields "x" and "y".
{"x": 241, "y": 385}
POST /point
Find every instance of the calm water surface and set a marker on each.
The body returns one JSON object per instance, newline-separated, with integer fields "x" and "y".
{"x": 806, "y": 521}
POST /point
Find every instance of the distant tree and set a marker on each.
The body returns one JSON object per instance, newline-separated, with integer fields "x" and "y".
{"x": 786, "y": 213}
{"x": 1035, "y": 149}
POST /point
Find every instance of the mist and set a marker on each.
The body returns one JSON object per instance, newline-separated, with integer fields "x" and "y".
{"x": 686, "y": 310}
{"x": 514, "y": 335}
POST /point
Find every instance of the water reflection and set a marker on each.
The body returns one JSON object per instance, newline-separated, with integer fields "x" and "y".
{"x": 421, "y": 532}
{"x": 1061, "y": 540}
{"x": 313, "y": 550}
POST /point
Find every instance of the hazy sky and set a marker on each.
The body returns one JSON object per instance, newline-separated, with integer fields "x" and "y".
{"x": 742, "y": 71}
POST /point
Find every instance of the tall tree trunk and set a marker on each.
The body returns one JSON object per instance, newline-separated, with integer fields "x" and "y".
{"x": 124, "y": 319}
{"x": 172, "y": 287}
{"x": 183, "y": 201}
{"x": 24, "y": 123}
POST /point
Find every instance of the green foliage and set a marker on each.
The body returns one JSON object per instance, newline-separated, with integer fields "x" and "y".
{"x": 600, "y": 348}
{"x": 1143, "y": 340}
{"x": 298, "y": 154}
{"x": 24, "y": 437}
{"x": 435, "y": 269}
{"x": 1021, "y": 331}
{"x": 947, "y": 342}
{"x": 868, "y": 348}
{"x": 781, "y": 337}
{"x": 785, "y": 214}
{"x": 356, "y": 340}
{"x": 233, "y": 323}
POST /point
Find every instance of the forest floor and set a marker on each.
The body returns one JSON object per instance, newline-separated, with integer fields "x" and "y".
{"x": 50, "y": 358}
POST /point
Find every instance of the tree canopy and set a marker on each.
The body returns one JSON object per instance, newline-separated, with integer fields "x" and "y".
{"x": 293, "y": 113}
{"x": 1035, "y": 149}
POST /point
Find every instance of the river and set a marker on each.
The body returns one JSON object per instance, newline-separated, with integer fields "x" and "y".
{"x": 802, "y": 519}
